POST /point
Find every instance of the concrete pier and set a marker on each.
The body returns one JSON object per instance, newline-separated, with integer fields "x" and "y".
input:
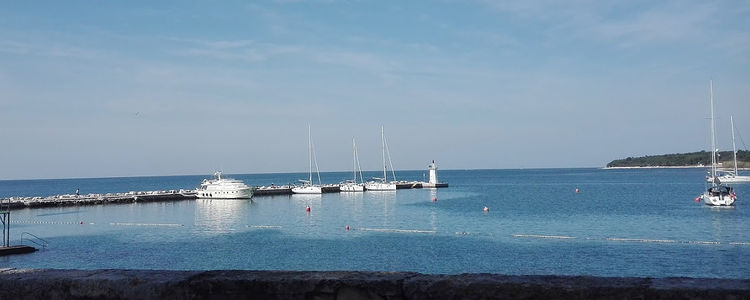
{"x": 171, "y": 195}
{"x": 223, "y": 284}
{"x": 420, "y": 185}
{"x": 94, "y": 199}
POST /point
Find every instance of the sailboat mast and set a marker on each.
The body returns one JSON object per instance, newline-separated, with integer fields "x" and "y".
{"x": 309, "y": 151}
{"x": 734, "y": 146}
{"x": 382, "y": 140}
{"x": 359, "y": 167}
{"x": 713, "y": 134}
{"x": 354, "y": 160}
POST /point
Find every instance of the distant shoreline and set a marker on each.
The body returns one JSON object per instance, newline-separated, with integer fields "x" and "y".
{"x": 666, "y": 167}
{"x": 656, "y": 167}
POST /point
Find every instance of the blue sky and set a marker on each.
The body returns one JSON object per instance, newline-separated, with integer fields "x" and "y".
{"x": 106, "y": 88}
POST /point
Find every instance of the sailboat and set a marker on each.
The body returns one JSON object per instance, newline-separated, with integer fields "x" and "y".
{"x": 307, "y": 185}
{"x": 353, "y": 185}
{"x": 731, "y": 175}
{"x": 717, "y": 194}
{"x": 382, "y": 184}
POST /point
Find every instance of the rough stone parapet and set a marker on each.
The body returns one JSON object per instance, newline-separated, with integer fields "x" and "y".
{"x": 163, "y": 285}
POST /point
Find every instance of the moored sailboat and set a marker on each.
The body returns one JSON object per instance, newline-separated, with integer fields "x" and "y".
{"x": 717, "y": 194}
{"x": 353, "y": 185}
{"x": 382, "y": 184}
{"x": 731, "y": 175}
{"x": 307, "y": 185}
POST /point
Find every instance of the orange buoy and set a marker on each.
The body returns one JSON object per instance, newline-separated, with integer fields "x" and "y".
{"x": 486, "y": 209}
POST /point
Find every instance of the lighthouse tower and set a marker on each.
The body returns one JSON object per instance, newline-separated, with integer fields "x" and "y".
{"x": 433, "y": 172}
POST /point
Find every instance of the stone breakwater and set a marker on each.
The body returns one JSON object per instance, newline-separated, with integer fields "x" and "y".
{"x": 93, "y": 199}
{"x": 163, "y": 285}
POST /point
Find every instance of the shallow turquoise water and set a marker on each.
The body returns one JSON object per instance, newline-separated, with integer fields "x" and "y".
{"x": 622, "y": 223}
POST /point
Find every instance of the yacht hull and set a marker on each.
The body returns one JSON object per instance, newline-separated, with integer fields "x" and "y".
{"x": 225, "y": 194}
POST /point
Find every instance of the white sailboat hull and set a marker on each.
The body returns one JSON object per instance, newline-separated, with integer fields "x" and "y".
{"x": 721, "y": 200}
{"x": 307, "y": 190}
{"x": 731, "y": 179}
{"x": 380, "y": 186}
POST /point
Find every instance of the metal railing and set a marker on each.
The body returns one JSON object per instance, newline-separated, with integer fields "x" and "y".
{"x": 36, "y": 240}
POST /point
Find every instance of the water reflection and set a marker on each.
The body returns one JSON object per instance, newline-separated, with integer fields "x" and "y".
{"x": 386, "y": 201}
{"x": 433, "y": 210}
{"x": 356, "y": 202}
{"x": 217, "y": 216}
{"x": 718, "y": 213}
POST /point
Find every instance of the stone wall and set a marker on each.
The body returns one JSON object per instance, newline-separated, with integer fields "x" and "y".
{"x": 163, "y": 285}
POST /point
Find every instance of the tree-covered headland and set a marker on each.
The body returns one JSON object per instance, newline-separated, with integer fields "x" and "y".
{"x": 684, "y": 160}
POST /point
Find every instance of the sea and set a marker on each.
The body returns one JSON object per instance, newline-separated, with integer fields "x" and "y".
{"x": 597, "y": 222}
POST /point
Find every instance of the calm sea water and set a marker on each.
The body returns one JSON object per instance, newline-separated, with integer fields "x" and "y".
{"x": 641, "y": 222}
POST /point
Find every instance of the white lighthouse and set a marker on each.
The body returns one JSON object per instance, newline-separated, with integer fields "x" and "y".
{"x": 433, "y": 172}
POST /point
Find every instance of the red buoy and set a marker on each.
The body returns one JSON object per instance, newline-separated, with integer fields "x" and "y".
{"x": 434, "y": 199}
{"x": 486, "y": 209}
{"x": 577, "y": 191}
{"x": 307, "y": 209}
{"x": 347, "y": 227}
{"x": 697, "y": 199}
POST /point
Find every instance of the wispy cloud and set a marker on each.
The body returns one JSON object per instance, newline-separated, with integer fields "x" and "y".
{"x": 241, "y": 50}
{"x": 668, "y": 23}
{"x": 628, "y": 24}
{"x": 48, "y": 49}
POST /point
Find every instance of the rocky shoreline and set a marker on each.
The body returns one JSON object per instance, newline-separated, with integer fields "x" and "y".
{"x": 229, "y": 284}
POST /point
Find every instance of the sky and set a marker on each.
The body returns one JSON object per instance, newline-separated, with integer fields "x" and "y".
{"x": 142, "y": 88}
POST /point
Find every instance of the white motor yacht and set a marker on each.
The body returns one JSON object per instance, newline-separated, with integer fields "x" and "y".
{"x": 223, "y": 188}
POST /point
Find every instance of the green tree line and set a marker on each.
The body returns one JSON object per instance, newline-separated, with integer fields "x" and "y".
{"x": 683, "y": 159}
